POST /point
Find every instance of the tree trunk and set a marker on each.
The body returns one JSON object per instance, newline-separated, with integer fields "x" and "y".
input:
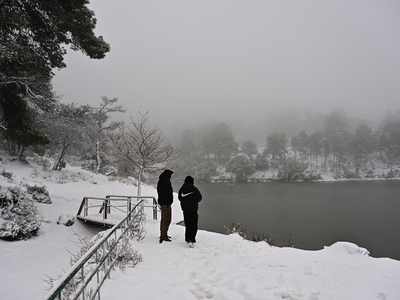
{"x": 11, "y": 148}
{"x": 60, "y": 157}
{"x": 21, "y": 148}
{"x": 98, "y": 157}
{"x": 139, "y": 185}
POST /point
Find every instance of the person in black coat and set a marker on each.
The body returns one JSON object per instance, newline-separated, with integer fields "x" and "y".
{"x": 190, "y": 196}
{"x": 165, "y": 199}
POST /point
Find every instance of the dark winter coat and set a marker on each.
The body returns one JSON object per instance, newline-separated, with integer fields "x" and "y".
{"x": 189, "y": 195}
{"x": 164, "y": 188}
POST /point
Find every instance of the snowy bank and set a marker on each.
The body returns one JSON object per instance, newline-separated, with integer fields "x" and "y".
{"x": 228, "y": 267}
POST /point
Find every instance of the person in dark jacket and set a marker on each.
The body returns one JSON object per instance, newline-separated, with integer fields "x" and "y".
{"x": 165, "y": 199}
{"x": 190, "y": 196}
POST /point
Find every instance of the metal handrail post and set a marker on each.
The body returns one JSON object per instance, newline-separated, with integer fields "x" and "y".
{"x": 105, "y": 209}
{"x": 129, "y": 206}
{"x": 85, "y": 212}
{"x": 154, "y": 209}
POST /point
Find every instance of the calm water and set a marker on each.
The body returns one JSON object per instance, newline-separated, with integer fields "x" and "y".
{"x": 310, "y": 215}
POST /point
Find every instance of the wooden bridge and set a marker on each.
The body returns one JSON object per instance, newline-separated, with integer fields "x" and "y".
{"x": 110, "y": 210}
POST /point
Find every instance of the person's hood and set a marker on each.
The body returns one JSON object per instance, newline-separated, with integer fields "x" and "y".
{"x": 166, "y": 174}
{"x": 189, "y": 179}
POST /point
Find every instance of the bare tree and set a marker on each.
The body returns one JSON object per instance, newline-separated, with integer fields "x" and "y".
{"x": 142, "y": 146}
{"x": 101, "y": 116}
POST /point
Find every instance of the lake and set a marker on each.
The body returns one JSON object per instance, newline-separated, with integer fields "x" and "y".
{"x": 308, "y": 215}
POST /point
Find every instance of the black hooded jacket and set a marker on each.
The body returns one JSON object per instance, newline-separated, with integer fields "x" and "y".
{"x": 164, "y": 188}
{"x": 189, "y": 195}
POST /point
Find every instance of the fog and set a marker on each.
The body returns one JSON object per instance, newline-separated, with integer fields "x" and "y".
{"x": 240, "y": 62}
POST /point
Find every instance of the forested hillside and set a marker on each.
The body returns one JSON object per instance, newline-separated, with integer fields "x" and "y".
{"x": 340, "y": 146}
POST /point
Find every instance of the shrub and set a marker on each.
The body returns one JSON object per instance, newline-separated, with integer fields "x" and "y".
{"x": 39, "y": 193}
{"x": 311, "y": 175}
{"x": 291, "y": 170}
{"x": 370, "y": 174}
{"x": 6, "y": 174}
{"x": 22, "y": 219}
{"x": 263, "y": 238}
{"x": 236, "y": 228}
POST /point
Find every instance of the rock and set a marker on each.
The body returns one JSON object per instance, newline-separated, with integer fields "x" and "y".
{"x": 66, "y": 219}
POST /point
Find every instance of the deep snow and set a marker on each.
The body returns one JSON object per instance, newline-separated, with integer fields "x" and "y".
{"x": 219, "y": 267}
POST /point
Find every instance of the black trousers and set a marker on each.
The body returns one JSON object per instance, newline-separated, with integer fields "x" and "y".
{"x": 191, "y": 218}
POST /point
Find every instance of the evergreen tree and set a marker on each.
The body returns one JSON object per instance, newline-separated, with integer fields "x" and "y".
{"x": 33, "y": 35}
{"x": 336, "y": 138}
{"x": 389, "y": 140}
{"x": 249, "y": 148}
{"x": 221, "y": 143}
{"x": 276, "y": 145}
{"x": 241, "y": 166}
{"x": 361, "y": 146}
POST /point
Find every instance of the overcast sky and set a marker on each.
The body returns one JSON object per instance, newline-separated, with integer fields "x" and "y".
{"x": 190, "y": 62}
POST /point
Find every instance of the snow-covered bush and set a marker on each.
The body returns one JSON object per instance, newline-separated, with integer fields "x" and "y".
{"x": 263, "y": 238}
{"x": 236, "y": 228}
{"x": 312, "y": 175}
{"x": 6, "y": 174}
{"x": 89, "y": 165}
{"x": 39, "y": 193}
{"x": 291, "y": 170}
{"x": 392, "y": 173}
{"x": 370, "y": 174}
{"x": 19, "y": 216}
{"x": 41, "y": 161}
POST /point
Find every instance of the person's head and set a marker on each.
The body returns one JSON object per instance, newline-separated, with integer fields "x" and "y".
{"x": 168, "y": 173}
{"x": 189, "y": 179}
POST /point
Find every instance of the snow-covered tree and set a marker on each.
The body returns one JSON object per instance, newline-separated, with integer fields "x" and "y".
{"x": 249, "y": 148}
{"x": 336, "y": 138}
{"x": 362, "y": 145}
{"x": 101, "y": 116}
{"x": 241, "y": 166}
{"x": 276, "y": 145}
{"x": 142, "y": 146}
{"x": 69, "y": 126}
{"x": 33, "y": 36}
{"x": 390, "y": 141}
{"x": 221, "y": 143}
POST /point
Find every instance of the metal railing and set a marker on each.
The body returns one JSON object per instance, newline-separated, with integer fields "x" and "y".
{"x": 98, "y": 262}
{"x": 106, "y": 204}
{"x": 154, "y": 204}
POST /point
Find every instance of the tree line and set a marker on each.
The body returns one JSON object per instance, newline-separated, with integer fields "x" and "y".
{"x": 340, "y": 147}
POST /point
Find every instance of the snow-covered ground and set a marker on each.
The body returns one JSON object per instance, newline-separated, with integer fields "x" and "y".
{"x": 219, "y": 267}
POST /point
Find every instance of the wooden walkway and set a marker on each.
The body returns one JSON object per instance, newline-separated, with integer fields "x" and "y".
{"x": 110, "y": 210}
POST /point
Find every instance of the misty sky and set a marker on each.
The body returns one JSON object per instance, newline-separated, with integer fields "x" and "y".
{"x": 190, "y": 62}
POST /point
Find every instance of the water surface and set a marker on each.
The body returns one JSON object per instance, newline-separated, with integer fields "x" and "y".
{"x": 308, "y": 215}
